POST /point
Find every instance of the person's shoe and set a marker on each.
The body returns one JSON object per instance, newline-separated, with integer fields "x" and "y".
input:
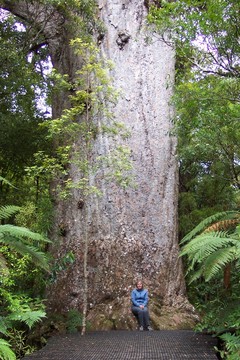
{"x": 141, "y": 328}
{"x": 149, "y": 328}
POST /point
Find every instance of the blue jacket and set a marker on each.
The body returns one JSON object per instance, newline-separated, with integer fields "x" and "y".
{"x": 139, "y": 297}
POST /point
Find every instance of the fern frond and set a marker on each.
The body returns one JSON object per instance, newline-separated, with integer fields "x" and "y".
{"x": 205, "y": 244}
{"x": 38, "y": 257}
{"x": 196, "y": 275}
{"x": 7, "y": 211}
{"x": 232, "y": 343}
{"x": 3, "y": 326}
{"x": 223, "y": 225}
{"x": 218, "y": 260}
{"x": 207, "y": 222}
{"x": 5, "y": 351}
{"x": 30, "y": 317}
{"x": 22, "y": 232}
{"x": 5, "y": 181}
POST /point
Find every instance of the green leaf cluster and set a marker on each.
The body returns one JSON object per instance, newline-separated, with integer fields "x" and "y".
{"x": 21, "y": 87}
{"x": 74, "y": 321}
{"x": 213, "y": 249}
{"x": 232, "y": 347}
{"x": 17, "y": 309}
{"x": 76, "y": 130}
{"x": 6, "y": 352}
{"x": 208, "y": 252}
{"x": 207, "y": 124}
{"x": 21, "y": 239}
{"x": 211, "y": 27}
{"x": 206, "y": 38}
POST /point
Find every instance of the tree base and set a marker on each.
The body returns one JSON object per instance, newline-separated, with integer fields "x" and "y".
{"x": 118, "y": 316}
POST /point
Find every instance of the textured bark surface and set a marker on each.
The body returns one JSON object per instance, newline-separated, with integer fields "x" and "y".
{"x": 131, "y": 233}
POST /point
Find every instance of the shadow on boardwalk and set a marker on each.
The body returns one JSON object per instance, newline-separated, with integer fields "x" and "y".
{"x": 129, "y": 345}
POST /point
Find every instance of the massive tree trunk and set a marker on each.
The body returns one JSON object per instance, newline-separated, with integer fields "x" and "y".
{"x": 131, "y": 233}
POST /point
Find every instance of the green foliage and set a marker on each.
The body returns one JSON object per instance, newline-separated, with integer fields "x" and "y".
{"x": 37, "y": 217}
{"x": 23, "y": 87}
{"x": 74, "y": 321}
{"x": 214, "y": 24}
{"x": 208, "y": 131}
{"x": 212, "y": 246}
{"x": 17, "y": 310}
{"x": 8, "y": 211}
{"x": 29, "y": 317}
{"x": 80, "y": 123}
{"x": 22, "y": 309}
{"x": 18, "y": 341}
{"x": 221, "y": 318}
{"x": 218, "y": 314}
{"x": 20, "y": 232}
{"x": 20, "y": 239}
{"x": 5, "y": 181}
{"x": 205, "y": 35}
{"x": 5, "y": 351}
{"x": 81, "y": 16}
{"x": 118, "y": 167}
{"x": 61, "y": 265}
{"x": 15, "y": 237}
{"x": 232, "y": 347}
{"x": 213, "y": 251}
{"x": 209, "y": 252}
{"x": 22, "y": 248}
{"x": 20, "y": 84}
{"x": 203, "y": 225}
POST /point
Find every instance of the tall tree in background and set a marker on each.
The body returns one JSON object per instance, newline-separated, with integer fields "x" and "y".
{"x": 131, "y": 232}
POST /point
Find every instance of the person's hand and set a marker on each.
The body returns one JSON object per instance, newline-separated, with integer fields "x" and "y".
{"x": 141, "y": 306}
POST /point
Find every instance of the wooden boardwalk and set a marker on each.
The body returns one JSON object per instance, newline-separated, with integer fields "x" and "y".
{"x": 129, "y": 345}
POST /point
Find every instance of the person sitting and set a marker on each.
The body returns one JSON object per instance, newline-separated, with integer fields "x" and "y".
{"x": 139, "y": 297}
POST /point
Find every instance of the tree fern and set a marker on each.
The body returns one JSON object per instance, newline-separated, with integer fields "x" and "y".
{"x": 21, "y": 239}
{"x": 203, "y": 245}
{"x": 223, "y": 225}
{"x": 195, "y": 275}
{"x": 210, "y": 262}
{"x": 38, "y": 257}
{"x": 217, "y": 261}
{"x": 18, "y": 309}
{"x": 232, "y": 344}
{"x": 7, "y": 211}
{"x": 29, "y": 317}
{"x": 210, "y": 252}
{"x": 21, "y": 232}
{"x": 3, "y": 325}
{"x": 5, "y": 351}
{"x": 207, "y": 222}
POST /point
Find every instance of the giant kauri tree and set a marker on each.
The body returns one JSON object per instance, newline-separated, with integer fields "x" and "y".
{"x": 130, "y": 232}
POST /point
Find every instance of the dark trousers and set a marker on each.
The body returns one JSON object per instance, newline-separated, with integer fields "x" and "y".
{"x": 142, "y": 316}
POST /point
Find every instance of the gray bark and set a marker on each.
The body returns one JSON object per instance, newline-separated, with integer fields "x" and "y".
{"x": 132, "y": 233}
{"x": 142, "y": 223}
